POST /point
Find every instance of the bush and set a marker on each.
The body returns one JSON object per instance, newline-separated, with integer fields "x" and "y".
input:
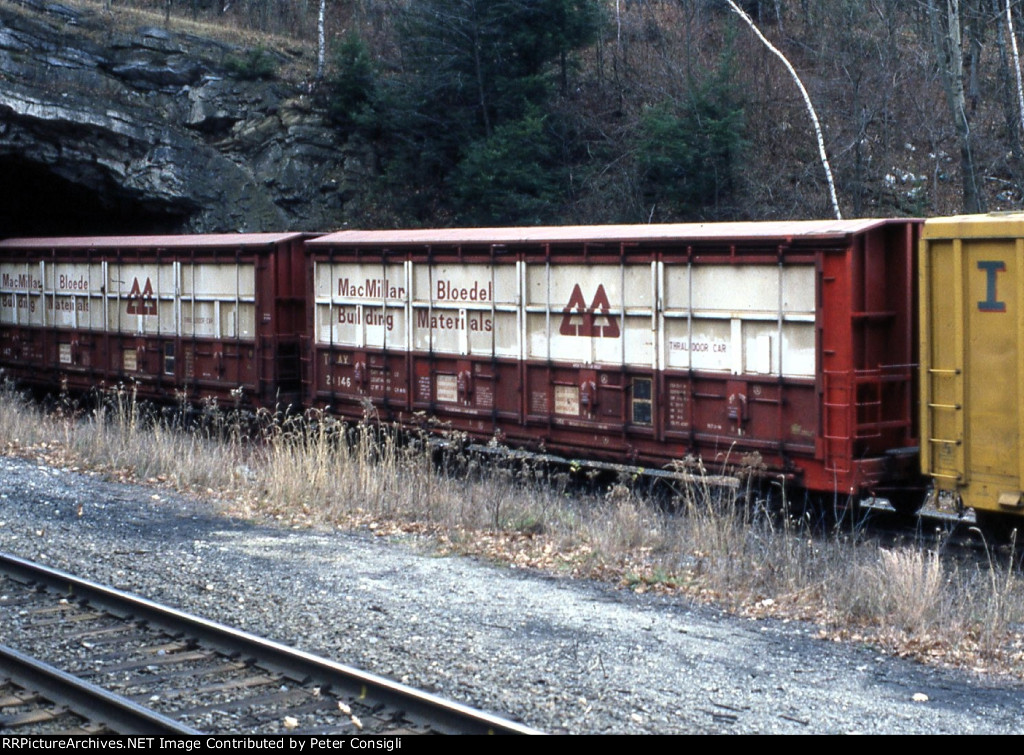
{"x": 352, "y": 88}
{"x": 253, "y": 65}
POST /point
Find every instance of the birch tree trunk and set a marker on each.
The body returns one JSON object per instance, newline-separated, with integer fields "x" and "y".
{"x": 1011, "y": 89}
{"x": 321, "y": 35}
{"x": 807, "y": 101}
{"x": 1016, "y": 62}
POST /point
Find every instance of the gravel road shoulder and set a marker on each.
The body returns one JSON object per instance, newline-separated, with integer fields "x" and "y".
{"x": 557, "y": 654}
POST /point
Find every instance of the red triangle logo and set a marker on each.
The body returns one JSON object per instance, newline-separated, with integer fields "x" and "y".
{"x": 141, "y": 300}
{"x": 594, "y": 321}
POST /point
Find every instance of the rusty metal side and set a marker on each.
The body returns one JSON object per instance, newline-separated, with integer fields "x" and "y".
{"x": 868, "y": 377}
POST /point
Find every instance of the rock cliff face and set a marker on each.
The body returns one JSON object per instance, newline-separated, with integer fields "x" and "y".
{"x": 105, "y": 131}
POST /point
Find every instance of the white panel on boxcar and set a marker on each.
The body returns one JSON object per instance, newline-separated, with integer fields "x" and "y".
{"x": 198, "y": 319}
{"x": 711, "y": 345}
{"x": 746, "y": 319}
{"x": 675, "y": 293}
{"x": 439, "y": 329}
{"x": 142, "y": 298}
{"x": 68, "y": 286}
{"x": 571, "y": 283}
{"x": 464, "y": 285}
{"x": 798, "y": 289}
{"x": 362, "y": 325}
{"x": 218, "y": 281}
{"x": 575, "y": 313}
{"x": 736, "y": 289}
{"x": 95, "y": 315}
{"x": 8, "y": 308}
{"x": 639, "y": 341}
{"x": 362, "y": 282}
{"x": 492, "y": 333}
{"x": 20, "y": 294}
{"x": 465, "y": 309}
{"x": 361, "y": 305}
{"x": 237, "y": 320}
{"x": 798, "y": 349}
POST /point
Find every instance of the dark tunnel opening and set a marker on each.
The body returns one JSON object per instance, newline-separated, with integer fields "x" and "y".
{"x": 35, "y": 201}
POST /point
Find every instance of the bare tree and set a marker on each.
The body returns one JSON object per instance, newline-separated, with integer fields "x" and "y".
{"x": 947, "y": 43}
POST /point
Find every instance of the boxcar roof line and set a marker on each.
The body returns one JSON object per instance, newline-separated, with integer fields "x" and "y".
{"x": 605, "y": 233}
{"x": 151, "y": 242}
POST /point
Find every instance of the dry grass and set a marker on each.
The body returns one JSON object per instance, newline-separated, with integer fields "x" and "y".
{"x": 107, "y": 19}
{"x": 121, "y": 18}
{"x": 752, "y": 558}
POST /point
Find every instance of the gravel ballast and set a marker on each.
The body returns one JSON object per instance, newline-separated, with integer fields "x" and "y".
{"x": 557, "y": 654}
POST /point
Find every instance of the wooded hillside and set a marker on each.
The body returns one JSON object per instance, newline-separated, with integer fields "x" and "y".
{"x": 480, "y": 112}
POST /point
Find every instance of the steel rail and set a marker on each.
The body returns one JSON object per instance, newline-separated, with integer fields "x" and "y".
{"x": 85, "y": 699}
{"x": 444, "y": 715}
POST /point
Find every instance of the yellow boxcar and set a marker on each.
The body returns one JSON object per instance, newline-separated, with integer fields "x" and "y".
{"x": 972, "y": 359}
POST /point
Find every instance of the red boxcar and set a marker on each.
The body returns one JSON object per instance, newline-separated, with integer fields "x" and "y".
{"x": 643, "y": 344}
{"x": 201, "y": 316}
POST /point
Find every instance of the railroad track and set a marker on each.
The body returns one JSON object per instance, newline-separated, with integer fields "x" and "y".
{"x": 163, "y": 670}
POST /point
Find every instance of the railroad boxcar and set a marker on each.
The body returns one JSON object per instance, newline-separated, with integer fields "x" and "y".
{"x": 788, "y": 344}
{"x": 972, "y": 361}
{"x": 202, "y": 316}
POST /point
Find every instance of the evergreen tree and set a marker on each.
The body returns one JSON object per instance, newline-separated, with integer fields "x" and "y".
{"x": 512, "y": 177}
{"x": 475, "y": 75}
{"x": 352, "y": 87}
{"x": 688, "y": 150}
